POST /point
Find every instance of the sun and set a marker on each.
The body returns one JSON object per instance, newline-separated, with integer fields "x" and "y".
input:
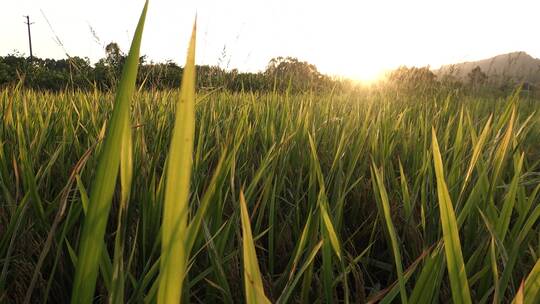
{"x": 364, "y": 70}
{"x": 365, "y": 73}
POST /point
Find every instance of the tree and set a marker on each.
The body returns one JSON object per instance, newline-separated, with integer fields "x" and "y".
{"x": 78, "y": 73}
{"x": 477, "y": 77}
{"x": 291, "y": 73}
{"x": 107, "y": 70}
{"x": 115, "y": 57}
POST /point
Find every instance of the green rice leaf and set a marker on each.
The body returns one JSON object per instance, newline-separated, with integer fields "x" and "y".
{"x": 173, "y": 263}
{"x": 252, "y": 275}
{"x": 91, "y": 243}
{"x": 530, "y": 291}
{"x": 452, "y": 246}
{"x": 391, "y": 231}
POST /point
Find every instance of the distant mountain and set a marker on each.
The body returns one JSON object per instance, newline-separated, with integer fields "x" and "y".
{"x": 512, "y": 67}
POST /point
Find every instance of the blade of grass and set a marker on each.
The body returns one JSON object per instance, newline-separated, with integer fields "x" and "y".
{"x": 174, "y": 255}
{"x": 126, "y": 175}
{"x": 476, "y": 153}
{"x": 407, "y": 204}
{"x": 252, "y": 275}
{"x": 391, "y": 230}
{"x": 91, "y": 243}
{"x": 195, "y": 224}
{"x": 287, "y": 291}
{"x": 531, "y": 289}
{"x": 452, "y": 246}
{"x": 430, "y": 278}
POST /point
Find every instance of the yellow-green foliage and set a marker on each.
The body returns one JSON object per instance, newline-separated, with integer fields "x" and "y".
{"x": 174, "y": 255}
{"x": 252, "y": 275}
{"x": 362, "y": 196}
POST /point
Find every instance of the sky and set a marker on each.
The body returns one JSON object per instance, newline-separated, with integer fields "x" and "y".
{"x": 356, "y": 39}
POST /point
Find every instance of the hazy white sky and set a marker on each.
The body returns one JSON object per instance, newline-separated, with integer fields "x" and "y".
{"x": 358, "y": 39}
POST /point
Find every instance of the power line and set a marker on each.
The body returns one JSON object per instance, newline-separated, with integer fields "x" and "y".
{"x": 28, "y": 23}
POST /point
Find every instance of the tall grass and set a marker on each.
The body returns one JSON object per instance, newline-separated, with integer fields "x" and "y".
{"x": 115, "y": 148}
{"x": 305, "y": 164}
{"x": 174, "y": 230}
{"x": 368, "y": 196}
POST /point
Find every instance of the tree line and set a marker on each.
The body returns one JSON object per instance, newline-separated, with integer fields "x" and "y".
{"x": 281, "y": 74}
{"x": 421, "y": 80}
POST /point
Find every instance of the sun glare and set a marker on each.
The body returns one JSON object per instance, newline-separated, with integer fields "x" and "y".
{"x": 368, "y": 74}
{"x": 365, "y": 71}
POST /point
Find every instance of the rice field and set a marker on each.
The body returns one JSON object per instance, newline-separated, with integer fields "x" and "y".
{"x": 138, "y": 196}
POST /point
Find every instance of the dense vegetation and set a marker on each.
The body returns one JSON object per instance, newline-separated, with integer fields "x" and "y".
{"x": 289, "y": 154}
{"x": 282, "y": 73}
{"x": 406, "y": 192}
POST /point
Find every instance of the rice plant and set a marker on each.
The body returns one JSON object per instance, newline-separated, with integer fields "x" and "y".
{"x": 363, "y": 196}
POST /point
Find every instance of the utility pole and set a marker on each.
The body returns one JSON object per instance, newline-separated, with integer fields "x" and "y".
{"x": 29, "y": 35}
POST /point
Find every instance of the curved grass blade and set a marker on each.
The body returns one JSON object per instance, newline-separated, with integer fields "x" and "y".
{"x": 501, "y": 152}
{"x": 509, "y": 202}
{"x": 287, "y": 291}
{"x": 452, "y": 246}
{"x": 391, "y": 232}
{"x": 323, "y": 201}
{"x": 329, "y": 227}
{"x": 91, "y": 243}
{"x": 478, "y": 147}
{"x": 195, "y": 224}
